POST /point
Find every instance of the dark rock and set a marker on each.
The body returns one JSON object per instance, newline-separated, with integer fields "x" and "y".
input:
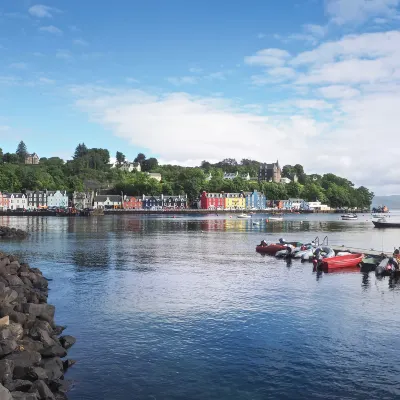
{"x": 4, "y": 393}
{"x": 17, "y": 330}
{"x": 35, "y": 373}
{"x": 25, "y": 359}
{"x": 68, "y": 364}
{"x": 23, "y": 268}
{"x": 67, "y": 341}
{"x": 4, "y": 261}
{"x": 19, "y": 385}
{"x": 6, "y": 371}
{"x": 24, "y": 396}
{"x": 12, "y": 233}
{"x": 53, "y": 367}
{"x": 40, "y": 282}
{"x": 7, "y": 295}
{"x": 42, "y": 335}
{"x": 53, "y": 351}
{"x": 13, "y": 280}
{"x": 13, "y": 267}
{"x": 7, "y": 346}
{"x": 5, "y": 332}
{"x": 43, "y": 311}
{"x": 58, "y": 330}
{"x": 26, "y": 281}
{"x": 43, "y": 390}
{"x": 39, "y": 326}
{"x": 29, "y": 344}
{"x": 18, "y": 317}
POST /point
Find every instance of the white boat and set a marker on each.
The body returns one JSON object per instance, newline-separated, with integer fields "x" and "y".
{"x": 275, "y": 219}
{"x": 349, "y": 217}
{"x": 256, "y": 223}
{"x": 243, "y": 216}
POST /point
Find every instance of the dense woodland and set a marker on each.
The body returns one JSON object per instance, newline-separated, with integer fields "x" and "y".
{"x": 90, "y": 169}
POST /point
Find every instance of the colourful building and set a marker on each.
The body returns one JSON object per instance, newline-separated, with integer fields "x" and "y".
{"x": 234, "y": 201}
{"x": 255, "y": 200}
{"x": 132, "y": 203}
{"x": 212, "y": 201}
{"x": 4, "y": 201}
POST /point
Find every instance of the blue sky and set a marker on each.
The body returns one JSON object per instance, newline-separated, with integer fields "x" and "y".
{"x": 307, "y": 81}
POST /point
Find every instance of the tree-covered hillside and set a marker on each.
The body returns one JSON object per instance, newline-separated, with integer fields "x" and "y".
{"x": 91, "y": 169}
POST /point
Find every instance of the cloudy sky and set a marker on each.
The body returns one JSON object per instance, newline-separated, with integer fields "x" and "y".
{"x": 314, "y": 82}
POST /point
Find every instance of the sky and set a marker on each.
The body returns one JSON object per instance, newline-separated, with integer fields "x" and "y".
{"x": 315, "y": 82}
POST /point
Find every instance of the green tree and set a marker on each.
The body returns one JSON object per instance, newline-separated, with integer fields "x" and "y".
{"x": 21, "y": 152}
{"x": 293, "y": 189}
{"x": 1, "y": 155}
{"x": 140, "y": 158}
{"x": 80, "y": 151}
{"x": 120, "y": 157}
{"x": 10, "y": 158}
{"x": 149, "y": 165}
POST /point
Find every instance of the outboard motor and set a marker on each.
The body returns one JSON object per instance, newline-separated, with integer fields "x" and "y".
{"x": 381, "y": 268}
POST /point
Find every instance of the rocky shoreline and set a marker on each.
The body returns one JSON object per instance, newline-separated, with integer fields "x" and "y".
{"x": 31, "y": 346}
{"x": 12, "y": 233}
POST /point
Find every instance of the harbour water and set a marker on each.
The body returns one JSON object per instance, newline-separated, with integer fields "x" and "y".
{"x": 184, "y": 308}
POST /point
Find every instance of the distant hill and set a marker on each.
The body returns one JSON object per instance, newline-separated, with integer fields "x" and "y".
{"x": 392, "y": 202}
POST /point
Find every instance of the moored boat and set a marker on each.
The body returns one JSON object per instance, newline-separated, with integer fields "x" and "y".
{"x": 244, "y": 216}
{"x": 349, "y": 217}
{"x": 270, "y": 249}
{"x": 383, "y": 223}
{"x": 274, "y": 219}
{"x": 335, "y": 263}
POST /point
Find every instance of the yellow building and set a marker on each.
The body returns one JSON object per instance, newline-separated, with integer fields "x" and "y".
{"x": 234, "y": 201}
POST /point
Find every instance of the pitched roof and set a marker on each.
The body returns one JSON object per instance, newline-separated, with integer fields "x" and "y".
{"x": 102, "y": 198}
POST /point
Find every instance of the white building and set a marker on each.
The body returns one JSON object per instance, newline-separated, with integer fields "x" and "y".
{"x": 315, "y": 206}
{"x": 296, "y": 204}
{"x": 230, "y": 176}
{"x": 107, "y": 201}
{"x": 82, "y": 200}
{"x": 285, "y": 180}
{"x": 57, "y": 199}
{"x": 130, "y": 166}
{"x": 17, "y": 201}
{"x": 154, "y": 175}
{"x": 246, "y": 177}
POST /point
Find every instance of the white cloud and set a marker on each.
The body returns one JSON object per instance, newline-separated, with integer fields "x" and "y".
{"x": 18, "y": 65}
{"x": 315, "y": 30}
{"x": 338, "y": 92}
{"x": 64, "y": 54}
{"x": 51, "y": 29}
{"x": 274, "y": 75}
{"x": 81, "y": 42}
{"x": 219, "y": 75}
{"x": 41, "y": 11}
{"x": 195, "y": 70}
{"x": 46, "y": 81}
{"x": 348, "y": 11}
{"x": 183, "y": 80}
{"x": 268, "y": 57}
{"x": 312, "y": 104}
{"x": 132, "y": 80}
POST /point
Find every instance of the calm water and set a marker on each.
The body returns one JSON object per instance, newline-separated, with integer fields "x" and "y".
{"x": 185, "y": 309}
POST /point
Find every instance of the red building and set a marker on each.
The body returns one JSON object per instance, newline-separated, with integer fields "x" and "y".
{"x": 4, "y": 201}
{"x": 212, "y": 201}
{"x": 132, "y": 203}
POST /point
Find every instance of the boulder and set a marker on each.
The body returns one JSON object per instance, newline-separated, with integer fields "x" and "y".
{"x": 13, "y": 267}
{"x": 53, "y": 367}
{"x": 7, "y": 295}
{"x": 25, "y": 359}
{"x": 6, "y": 371}
{"x": 17, "y": 331}
{"x": 58, "y": 330}
{"x": 43, "y": 311}
{"x": 29, "y": 344}
{"x": 35, "y": 373}
{"x": 26, "y": 281}
{"x": 53, "y": 351}
{"x": 43, "y": 390}
{"x": 24, "y": 396}
{"x": 4, "y": 393}
{"x": 7, "y": 346}
{"x": 5, "y": 321}
{"x": 40, "y": 282}
{"x": 19, "y": 385}
{"x": 18, "y": 317}
{"x": 68, "y": 364}
{"x": 42, "y": 335}
{"x": 67, "y": 341}
{"x": 14, "y": 280}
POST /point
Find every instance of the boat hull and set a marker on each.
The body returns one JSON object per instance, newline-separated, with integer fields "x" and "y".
{"x": 271, "y": 249}
{"x": 337, "y": 263}
{"x": 378, "y": 224}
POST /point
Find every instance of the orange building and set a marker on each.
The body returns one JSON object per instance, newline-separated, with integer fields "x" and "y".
{"x": 132, "y": 203}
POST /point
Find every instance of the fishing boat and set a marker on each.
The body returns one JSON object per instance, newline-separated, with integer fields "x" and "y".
{"x": 244, "y": 216}
{"x": 383, "y": 223}
{"x": 335, "y": 263}
{"x": 274, "y": 219}
{"x": 349, "y": 217}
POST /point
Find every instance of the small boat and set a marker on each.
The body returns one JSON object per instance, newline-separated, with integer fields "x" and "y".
{"x": 369, "y": 263}
{"x": 334, "y": 263}
{"x": 243, "y": 216}
{"x": 349, "y": 217}
{"x": 256, "y": 223}
{"x": 271, "y": 249}
{"x": 388, "y": 267}
{"x": 382, "y": 223}
{"x": 274, "y": 219}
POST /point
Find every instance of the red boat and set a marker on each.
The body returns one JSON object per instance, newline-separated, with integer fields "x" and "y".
{"x": 271, "y": 249}
{"x": 335, "y": 263}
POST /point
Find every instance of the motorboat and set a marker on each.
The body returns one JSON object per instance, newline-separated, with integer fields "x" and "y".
{"x": 338, "y": 262}
{"x": 244, "y": 216}
{"x": 271, "y": 248}
{"x": 383, "y": 223}
{"x": 274, "y": 219}
{"x": 369, "y": 263}
{"x": 349, "y": 217}
{"x": 388, "y": 267}
{"x": 256, "y": 223}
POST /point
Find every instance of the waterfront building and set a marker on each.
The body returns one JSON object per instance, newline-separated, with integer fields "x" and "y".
{"x": 152, "y": 202}
{"x": 256, "y": 200}
{"x": 234, "y": 201}
{"x": 212, "y": 201}
{"x": 132, "y": 203}
{"x": 4, "y": 201}
{"x": 82, "y": 200}
{"x": 57, "y": 199}
{"x": 295, "y": 204}
{"x": 154, "y": 175}
{"x": 32, "y": 159}
{"x": 173, "y": 202}
{"x": 270, "y": 172}
{"x": 17, "y": 201}
{"x": 108, "y": 201}
{"x": 36, "y": 199}
{"x": 314, "y": 206}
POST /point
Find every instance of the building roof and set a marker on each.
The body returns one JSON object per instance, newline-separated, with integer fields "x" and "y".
{"x": 270, "y": 166}
{"x": 18, "y": 195}
{"x": 102, "y": 198}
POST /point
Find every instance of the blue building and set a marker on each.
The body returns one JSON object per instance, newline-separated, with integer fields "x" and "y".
{"x": 255, "y": 200}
